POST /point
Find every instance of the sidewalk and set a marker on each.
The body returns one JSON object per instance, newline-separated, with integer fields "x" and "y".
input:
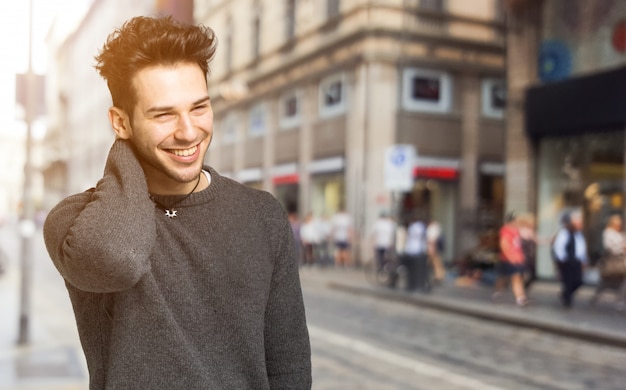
{"x": 52, "y": 359}
{"x": 600, "y": 323}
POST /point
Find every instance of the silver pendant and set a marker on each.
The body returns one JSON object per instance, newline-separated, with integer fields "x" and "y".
{"x": 170, "y": 213}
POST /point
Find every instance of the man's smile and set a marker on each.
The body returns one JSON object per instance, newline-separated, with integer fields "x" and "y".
{"x": 183, "y": 152}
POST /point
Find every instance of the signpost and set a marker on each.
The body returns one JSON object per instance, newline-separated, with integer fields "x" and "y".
{"x": 399, "y": 165}
{"x": 398, "y": 174}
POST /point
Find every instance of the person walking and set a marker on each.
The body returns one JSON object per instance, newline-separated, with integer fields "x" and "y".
{"x": 383, "y": 236}
{"x": 511, "y": 264}
{"x": 570, "y": 252}
{"x": 434, "y": 238}
{"x": 416, "y": 257}
{"x": 311, "y": 239}
{"x": 180, "y": 278}
{"x": 342, "y": 233}
{"x": 612, "y": 264}
{"x": 529, "y": 241}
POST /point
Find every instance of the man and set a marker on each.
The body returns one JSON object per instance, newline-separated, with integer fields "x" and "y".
{"x": 415, "y": 256}
{"x": 570, "y": 252}
{"x": 383, "y": 235}
{"x": 179, "y": 277}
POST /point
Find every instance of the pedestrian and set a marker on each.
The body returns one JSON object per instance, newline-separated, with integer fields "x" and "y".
{"x": 179, "y": 277}
{"x": 296, "y": 227}
{"x": 570, "y": 252}
{"x": 311, "y": 239}
{"x": 511, "y": 262}
{"x": 416, "y": 256}
{"x": 529, "y": 241}
{"x": 341, "y": 233}
{"x": 324, "y": 226}
{"x": 383, "y": 237}
{"x": 435, "y": 240}
{"x": 612, "y": 264}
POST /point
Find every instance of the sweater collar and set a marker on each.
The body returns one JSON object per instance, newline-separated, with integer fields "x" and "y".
{"x": 200, "y": 197}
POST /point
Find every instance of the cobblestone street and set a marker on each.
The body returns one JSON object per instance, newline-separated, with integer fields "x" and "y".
{"x": 367, "y": 343}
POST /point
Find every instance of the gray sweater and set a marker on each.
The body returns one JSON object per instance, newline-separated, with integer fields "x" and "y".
{"x": 210, "y": 299}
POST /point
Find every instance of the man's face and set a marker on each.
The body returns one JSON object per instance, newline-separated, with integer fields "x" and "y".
{"x": 172, "y": 124}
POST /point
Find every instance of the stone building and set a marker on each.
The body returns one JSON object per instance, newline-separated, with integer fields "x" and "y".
{"x": 310, "y": 94}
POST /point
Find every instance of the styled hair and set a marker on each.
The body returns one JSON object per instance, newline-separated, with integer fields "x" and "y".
{"x": 144, "y": 42}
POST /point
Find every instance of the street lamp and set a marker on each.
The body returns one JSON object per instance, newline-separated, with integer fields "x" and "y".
{"x": 27, "y": 224}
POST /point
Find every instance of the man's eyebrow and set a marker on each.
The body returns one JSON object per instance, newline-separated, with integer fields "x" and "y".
{"x": 168, "y": 108}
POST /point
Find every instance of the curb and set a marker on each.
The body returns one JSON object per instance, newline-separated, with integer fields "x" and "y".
{"x": 478, "y": 311}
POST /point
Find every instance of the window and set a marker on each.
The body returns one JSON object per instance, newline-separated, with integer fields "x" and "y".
{"x": 228, "y": 42}
{"x": 426, "y": 90}
{"x": 289, "y": 110}
{"x": 256, "y": 125}
{"x": 229, "y": 129}
{"x": 431, "y": 5}
{"x": 256, "y": 30}
{"x": 290, "y": 19}
{"x": 493, "y": 98}
{"x": 332, "y": 96}
{"x": 332, "y": 8}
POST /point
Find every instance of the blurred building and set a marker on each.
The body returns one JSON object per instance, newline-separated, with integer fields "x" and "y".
{"x": 565, "y": 114}
{"x": 309, "y": 94}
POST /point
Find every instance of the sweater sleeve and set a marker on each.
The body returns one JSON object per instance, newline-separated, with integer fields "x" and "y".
{"x": 100, "y": 240}
{"x": 287, "y": 347}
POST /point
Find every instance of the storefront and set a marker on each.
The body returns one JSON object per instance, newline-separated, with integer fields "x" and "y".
{"x": 286, "y": 186}
{"x": 577, "y": 127}
{"x": 434, "y": 197}
{"x": 327, "y": 186}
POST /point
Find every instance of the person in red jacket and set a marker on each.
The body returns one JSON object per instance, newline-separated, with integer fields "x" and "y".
{"x": 512, "y": 262}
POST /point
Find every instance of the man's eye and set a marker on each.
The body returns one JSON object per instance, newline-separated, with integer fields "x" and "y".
{"x": 162, "y": 115}
{"x": 200, "y": 108}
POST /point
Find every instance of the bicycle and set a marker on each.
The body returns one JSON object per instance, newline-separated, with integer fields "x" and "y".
{"x": 392, "y": 274}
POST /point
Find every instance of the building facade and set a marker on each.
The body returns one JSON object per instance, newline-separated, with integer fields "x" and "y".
{"x": 565, "y": 117}
{"x": 310, "y": 94}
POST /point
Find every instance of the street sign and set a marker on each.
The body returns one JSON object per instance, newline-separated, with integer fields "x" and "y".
{"x": 399, "y": 165}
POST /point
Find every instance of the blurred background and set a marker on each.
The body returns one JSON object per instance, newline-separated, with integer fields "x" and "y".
{"x": 458, "y": 111}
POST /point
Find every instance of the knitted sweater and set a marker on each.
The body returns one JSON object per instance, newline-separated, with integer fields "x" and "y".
{"x": 210, "y": 299}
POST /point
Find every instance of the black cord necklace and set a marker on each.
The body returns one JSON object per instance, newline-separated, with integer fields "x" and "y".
{"x": 170, "y": 212}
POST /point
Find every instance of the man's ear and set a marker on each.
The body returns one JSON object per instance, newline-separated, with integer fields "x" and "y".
{"x": 120, "y": 122}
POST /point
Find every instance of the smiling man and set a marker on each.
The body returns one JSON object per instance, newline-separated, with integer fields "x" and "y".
{"x": 179, "y": 278}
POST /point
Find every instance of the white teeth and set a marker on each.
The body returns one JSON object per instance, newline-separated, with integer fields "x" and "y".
{"x": 184, "y": 152}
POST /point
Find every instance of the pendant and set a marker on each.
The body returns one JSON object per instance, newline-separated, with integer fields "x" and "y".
{"x": 170, "y": 213}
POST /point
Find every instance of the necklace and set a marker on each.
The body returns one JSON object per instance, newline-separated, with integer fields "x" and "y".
{"x": 170, "y": 212}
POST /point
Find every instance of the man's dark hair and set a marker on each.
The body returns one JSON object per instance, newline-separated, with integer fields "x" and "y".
{"x": 143, "y": 42}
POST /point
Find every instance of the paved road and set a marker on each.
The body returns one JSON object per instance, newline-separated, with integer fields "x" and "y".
{"x": 365, "y": 343}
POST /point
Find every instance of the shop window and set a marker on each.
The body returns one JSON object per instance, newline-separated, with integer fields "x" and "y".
{"x": 493, "y": 98}
{"x": 332, "y": 96}
{"x": 427, "y": 90}
{"x": 289, "y": 110}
